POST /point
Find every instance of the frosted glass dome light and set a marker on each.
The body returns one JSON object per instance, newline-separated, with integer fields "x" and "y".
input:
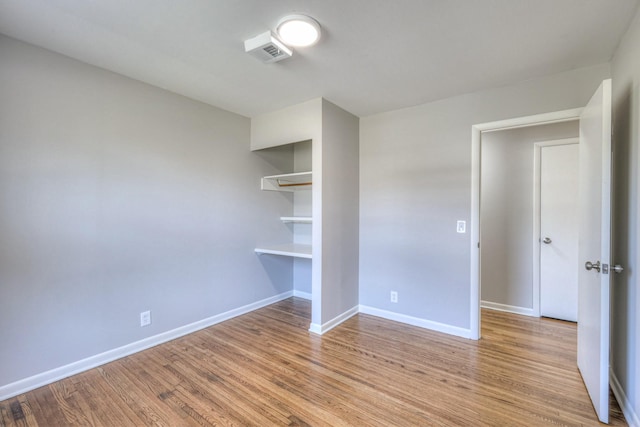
{"x": 298, "y": 30}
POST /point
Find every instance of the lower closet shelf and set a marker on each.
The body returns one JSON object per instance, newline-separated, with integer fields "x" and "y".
{"x": 290, "y": 249}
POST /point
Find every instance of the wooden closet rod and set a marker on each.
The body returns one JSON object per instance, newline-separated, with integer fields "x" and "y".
{"x": 292, "y": 184}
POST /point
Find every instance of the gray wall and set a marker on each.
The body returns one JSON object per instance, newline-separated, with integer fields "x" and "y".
{"x": 415, "y": 182}
{"x": 340, "y": 202}
{"x": 118, "y": 197}
{"x": 506, "y": 211}
{"x": 626, "y": 288}
{"x": 302, "y": 207}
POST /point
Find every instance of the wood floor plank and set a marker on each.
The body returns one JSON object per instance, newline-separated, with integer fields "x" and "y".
{"x": 65, "y": 394}
{"x": 106, "y": 405}
{"x": 271, "y": 376}
{"x": 341, "y": 388}
{"x": 230, "y": 390}
{"x": 45, "y": 406}
{"x": 149, "y": 412}
{"x": 265, "y": 368}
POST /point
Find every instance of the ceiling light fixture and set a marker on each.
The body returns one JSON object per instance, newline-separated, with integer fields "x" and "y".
{"x": 298, "y": 30}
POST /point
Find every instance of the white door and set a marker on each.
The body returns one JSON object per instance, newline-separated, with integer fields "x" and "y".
{"x": 559, "y": 231}
{"x": 594, "y": 248}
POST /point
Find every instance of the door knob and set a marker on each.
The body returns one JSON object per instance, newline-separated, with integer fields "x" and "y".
{"x": 617, "y": 268}
{"x": 546, "y": 240}
{"x": 592, "y": 266}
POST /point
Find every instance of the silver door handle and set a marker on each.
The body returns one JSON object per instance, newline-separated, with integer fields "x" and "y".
{"x": 591, "y": 266}
{"x": 546, "y": 240}
{"x": 617, "y": 268}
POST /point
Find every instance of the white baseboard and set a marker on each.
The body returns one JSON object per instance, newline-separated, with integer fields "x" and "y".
{"x": 416, "y": 321}
{"x": 42, "y": 379}
{"x": 48, "y": 377}
{"x": 303, "y": 295}
{"x": 325, "y": 327}
{"x": 627, "y": 408}
{"x": 508, "y": 308}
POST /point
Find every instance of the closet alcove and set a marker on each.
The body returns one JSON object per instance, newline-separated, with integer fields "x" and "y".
{"x": 316, "y": 144}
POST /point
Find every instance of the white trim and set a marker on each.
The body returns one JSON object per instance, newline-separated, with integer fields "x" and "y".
{"x": 303, "y": 295}
{"x": 635, "y": 282}
{"x": 326, "y": 327}
{"x": 48, "y": 377}
{"x": 537, "y": 119}
{"x": 416, "y": 321}
{"x": 508, "y": 308}
{"x": 537, "y": 213}
{"x": 315, "y": 328}
{"x": 625, "y": 404}
{"x": 476, "y": 138}
{"x": 474, "y": 233}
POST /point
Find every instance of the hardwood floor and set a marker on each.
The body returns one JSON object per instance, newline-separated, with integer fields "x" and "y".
{"x": 265, "y": 368}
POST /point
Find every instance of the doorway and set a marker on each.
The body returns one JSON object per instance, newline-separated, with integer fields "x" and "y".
{"x": 510, "y": 217}
{"x": 480, "y": 132}
{"x": 594, "y": 249}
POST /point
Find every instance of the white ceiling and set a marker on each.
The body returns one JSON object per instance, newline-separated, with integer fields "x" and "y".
{"x": 375, "y": 55}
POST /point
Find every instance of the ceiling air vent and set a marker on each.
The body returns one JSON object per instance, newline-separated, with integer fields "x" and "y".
{"x": 267, "y": 48}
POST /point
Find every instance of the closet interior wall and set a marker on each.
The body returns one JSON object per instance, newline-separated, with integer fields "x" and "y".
{"x": 302, "y": 207}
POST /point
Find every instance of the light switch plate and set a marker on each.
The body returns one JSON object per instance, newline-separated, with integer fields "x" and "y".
{"x": 145, "y": 318}
{"x": 461, "y": 227}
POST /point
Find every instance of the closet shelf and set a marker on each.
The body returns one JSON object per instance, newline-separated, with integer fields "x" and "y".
{"x": 301, "y": 219}
{"x": 287, "y": 182}
{"x": 290, "y": 249}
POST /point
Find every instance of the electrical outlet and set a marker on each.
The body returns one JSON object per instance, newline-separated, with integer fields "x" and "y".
{"x": 145, "y": 318}
{"x": 394, "y": 296}
{"x": 461, "y": 227}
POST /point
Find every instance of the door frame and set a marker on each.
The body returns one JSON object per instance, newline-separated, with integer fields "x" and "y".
{"x": 537, "y": 214}
{"x": 476, "y": 146}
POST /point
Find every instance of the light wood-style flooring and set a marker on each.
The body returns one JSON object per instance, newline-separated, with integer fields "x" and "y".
{"x": 265, "y": 368}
